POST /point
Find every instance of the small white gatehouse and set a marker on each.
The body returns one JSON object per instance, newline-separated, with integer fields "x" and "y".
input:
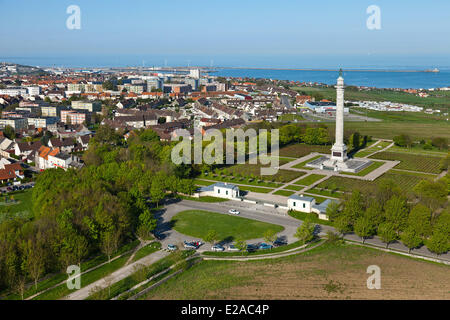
{"x": 308, "y": 204}
{"x": 220, "y": 190}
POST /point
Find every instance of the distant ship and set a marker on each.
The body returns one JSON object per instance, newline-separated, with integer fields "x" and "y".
{"x": 433, "y": 70}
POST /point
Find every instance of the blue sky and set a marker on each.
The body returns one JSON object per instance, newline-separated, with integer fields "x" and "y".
{"x": 212, "y": 29}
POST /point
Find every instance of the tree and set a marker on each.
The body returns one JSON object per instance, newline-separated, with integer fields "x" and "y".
{"x": 333, "y": 210}
{"x": 411, "y": 239}
{"x": 240, "y": 244}
{"x": 364, "y": 228}
{"x": 34, "y": 258}
{"x": 396, "y": 213}
{"x": 305, "y": 232}
{"x": 403, "y": 140}
{"x": 270, "y": 236}
{"x": 419, "y": 221}
{"x": 387, "y": 233}
{"x": 355, "y": 141}
{"x": 147, "y": 223}
{"x": 9, "y": 132}
{"x": 157, "y": 191}
{"x": 316, "y": 136}
{"x": 342, "y": 224}
{"x": 441, "y": 143}
{"x": 109, "y": 243}
{"x": 439, "y": 242}
{"x": 211, "y": 236}
{"x": 353, "y": 207}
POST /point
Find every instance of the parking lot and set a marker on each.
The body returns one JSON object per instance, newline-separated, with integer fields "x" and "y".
{"x": 247, "y": 210}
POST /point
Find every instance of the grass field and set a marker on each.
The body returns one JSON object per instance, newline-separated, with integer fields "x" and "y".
{"x": 326, "y": 272}
{"x": 21, "y": 206}
{"x": 198, "y": 223}
{"x": 293, "y": 187}
{"x": 412, "y": 162}
{"x": 284, "y": 193}
{"x": 300, "y": 150}
{"x": 148, "y": 249}
{"x": 309, "y": 180}
{"x": 290, "y": 117}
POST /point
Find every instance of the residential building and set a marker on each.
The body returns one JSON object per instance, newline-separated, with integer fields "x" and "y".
{"x": 95, "y": 106}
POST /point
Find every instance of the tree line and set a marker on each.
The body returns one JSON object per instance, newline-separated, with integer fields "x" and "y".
{"x": 421, "y": 218}
{"x": 78, "y": 214}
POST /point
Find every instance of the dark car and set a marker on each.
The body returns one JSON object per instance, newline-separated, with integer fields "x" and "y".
{"x": 279, "y": 243}
{"x": 251, "y": 248}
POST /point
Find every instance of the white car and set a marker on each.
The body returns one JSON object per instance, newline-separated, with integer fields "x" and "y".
{"x": 231, "y": 247}
{"x": 233, "y": 211}
{"x": 217, "y": 248}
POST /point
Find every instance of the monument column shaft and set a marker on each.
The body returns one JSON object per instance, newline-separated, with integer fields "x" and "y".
{"x": 340, "y": 115}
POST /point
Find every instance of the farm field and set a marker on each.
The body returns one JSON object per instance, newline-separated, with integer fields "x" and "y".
{"x": 417, "y": 149}
{"x": 388, "y": 130}
{"x": 198, "y": 223}
{"x": 299, "y": 150}
{"x": 411, "y": 162}
{"x": 433, "y": 100}
{"x": 310, "y": 275}
{"x": 372, "y": 149}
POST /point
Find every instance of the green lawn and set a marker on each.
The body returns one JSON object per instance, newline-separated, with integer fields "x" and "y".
{"x": 18, "y": 204}
{"x": 290, "y": 117}
{"x": 198, "y": 223}
{"x": 309, "y": 180}
{"x": 285, "y": 193}
{"x": 311, "y": 216}
{"x": 148, "y": 249}
{"x": 293, "y": 187}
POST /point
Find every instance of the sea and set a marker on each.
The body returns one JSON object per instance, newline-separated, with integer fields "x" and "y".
{"x": 381, "y": 71}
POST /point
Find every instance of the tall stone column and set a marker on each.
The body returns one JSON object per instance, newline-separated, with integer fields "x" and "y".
{"x": 339, "y": 150}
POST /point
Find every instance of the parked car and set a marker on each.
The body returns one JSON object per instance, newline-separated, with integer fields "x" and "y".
{"x": 264, "y": 246}
{"x": 233, "y": 211}
{"x": 189, "y": 245}
{"x": 251, "y": 248}
{"x": 217, "y": 248}
{"x": 231, "y": 247}
{"x": 172, "y": 247}
{"x": 279, "y": 243}
{"x": 197, "y": 243}
{"x": 158, "y": 236}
